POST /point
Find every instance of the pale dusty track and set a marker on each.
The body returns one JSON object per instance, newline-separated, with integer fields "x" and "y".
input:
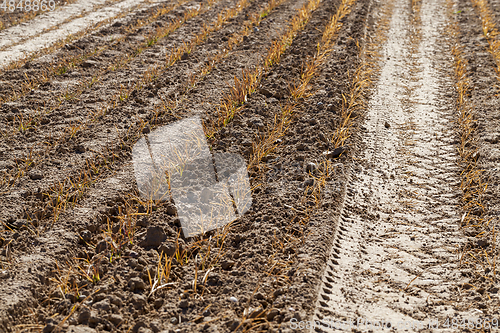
{"x": 20, "y": 32}
{"x": 43, "y": 31}
{"x": 394, "y": 258}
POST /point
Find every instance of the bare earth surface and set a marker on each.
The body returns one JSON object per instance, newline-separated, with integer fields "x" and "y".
{"x": 359, "y": 209}
{"x": 395, "y": 254}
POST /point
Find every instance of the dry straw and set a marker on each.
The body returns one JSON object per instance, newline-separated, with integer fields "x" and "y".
{"x": 490, "y": 30}
{"x": 472, "y": 184}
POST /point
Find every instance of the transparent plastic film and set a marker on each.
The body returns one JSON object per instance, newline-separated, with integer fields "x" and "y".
{"x": 175, "y": 162}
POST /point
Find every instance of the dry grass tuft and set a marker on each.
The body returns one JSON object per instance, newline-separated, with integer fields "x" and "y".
{"x": 490, "y": 30}
{"x": 354, "y": 102}
{"x": 232, "y": 102}
{"x": 481, "y": 261}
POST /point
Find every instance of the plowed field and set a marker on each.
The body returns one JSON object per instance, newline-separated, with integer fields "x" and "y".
{"x": 345, "y": 177}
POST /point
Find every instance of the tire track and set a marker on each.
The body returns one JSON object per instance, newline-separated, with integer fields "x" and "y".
{"x": 394, "y": 258}
{"x": 52, "y": 68}
{"x": 9, "y": 19}
{"x": 38, "y": 39}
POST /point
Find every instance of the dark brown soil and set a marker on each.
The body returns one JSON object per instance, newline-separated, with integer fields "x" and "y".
{"x": 485, "y": 99}
{"x": 91, "y": 267}
{"x": 263, "y": 269}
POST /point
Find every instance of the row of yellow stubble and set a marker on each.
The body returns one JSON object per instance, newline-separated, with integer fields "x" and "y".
{"x": 482, "y": 260}
{"x": 232, "y": 103}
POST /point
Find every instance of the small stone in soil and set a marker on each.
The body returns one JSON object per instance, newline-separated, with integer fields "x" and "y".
{"x": 226, "y": 265}
{"x": 138, "y": 301}
{"x": 48, "y": 328}
{"x": 311, "y": 167}
{"x": 168, "y": 248}
{"x": 265, "y": 92}
{"x": 155, "y": 326}
{"x": 309, "y": 182}
{"x": 271, "y": 314}
{"x": 86, "y": 235}
{"x": 233, "y": 299}
{"x": 115, "y": 319}
{"x": 387, "y": 125}
{"x": 171, "y": 210}
{"x": 84, "y": 315}
{"x": 103, "y": 305}
{"x": 79, "y": 149}
{"x": 115, "y": 300}
{"x": 158, "y": 303}
{"x": 482, "y": 243}
{"x": 136, "y": 283}
{"x": 301, "y": 146}
{"x": 233, "y": 324}
{"x": 335, "y": 153}
{"x": 101, "y": 246}
{"x": 89, "y": 63}
{"x": 154, "y": 237}
{"x": 36, "y": 175}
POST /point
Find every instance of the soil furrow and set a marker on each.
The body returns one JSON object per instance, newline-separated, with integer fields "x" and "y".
{"x": 106, "y": 193}
{"x": 107, "y": 196}
{"x": 18, "y": 51}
